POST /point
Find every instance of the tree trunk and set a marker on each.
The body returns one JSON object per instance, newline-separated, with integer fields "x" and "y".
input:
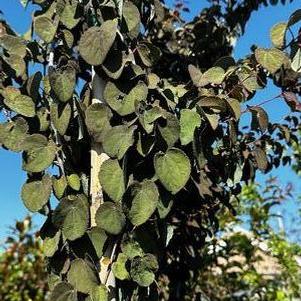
{"x": 97, "y": 158}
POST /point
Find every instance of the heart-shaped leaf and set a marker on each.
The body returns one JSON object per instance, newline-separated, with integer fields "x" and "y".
{"x": 63, "y": 291}
{"x": 82, "y": 277}
{"x": 112, "y": 179}
{"x": 45, "y": 28}
{"x": 96, "y": 42}
{"x": 117, "y": 140}
{"x": 59, "y": 186}
{"x": 38, "y": 159}
{"x": 21, "y": 104}
{"x": 270, "y": 59}
{"x": 110, "y": 217}
{"x": 67, "y": 16}
{"x": 122, "y": 103}
{"x": 62, "y": 82}
{"x": 36, "y": 194}
{"x": 72, "y": 216}
{"x": 143, "y": 268}
{"x": 173, "y": 169}
{"x": 144, "y": 201}
{"x": 98, "y": 119}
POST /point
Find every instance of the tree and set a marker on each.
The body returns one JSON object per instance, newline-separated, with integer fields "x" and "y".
{"x": 248, "y": 258}
{"x": 22, "y": 267}
{"x": 137, "y": 112}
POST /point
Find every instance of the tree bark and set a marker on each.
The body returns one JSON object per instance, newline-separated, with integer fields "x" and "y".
{"x": 97, "y": 158}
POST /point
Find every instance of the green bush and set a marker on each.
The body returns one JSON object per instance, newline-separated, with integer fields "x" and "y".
{"x": 23, "y": 274}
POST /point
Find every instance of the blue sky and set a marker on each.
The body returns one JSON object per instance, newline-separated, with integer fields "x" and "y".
{"x": 257, "y": 32}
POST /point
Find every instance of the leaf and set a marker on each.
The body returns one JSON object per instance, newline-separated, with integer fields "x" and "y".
{"x": 248, "y": 78}
{"x": 171, "y": 131}
{"x": 131, "y": 17}
{"x": 59, "y": 186}
{"x": 34, "y": 141}
{"x": 114, "y": 63}
{"x": 294, "y": 18}
{"x": 143, "y": 268}
{"x": 98, "y": 238}
{"x": 296, "y": 61}
{"x": 144, "y": 200}
{"x": 60, "y": 115}
{"x": 18, "y": 65}
{"x": 38, "y": 159}
{"x": 214, "y": 75}
{"x": 67, "y": 16}
{"x": 33, "y": 85}
{"x": 270, "y": 59}
{"x": 225, "y": 62}
{"x": 13, "y": 45}
{"x": 189, "y": 121}
{"x": 36, "y": 194}
{"x": 12, "y": 134}
{"x": 62, "y": 82}
{"x": 214, "y": 102}
{"x": 99, "y": 293}
{"x": 74, "y": 181}
{"x": 131, "y": 249}
{"x": 82, "y": 277}
{"x": 21, "y": 104}
{"x": 149, "y": 117}
{"x": 235, "y": 107}
{"x": 122, "y": 103}
{"x": 68, "y": 38}
{"x": 72, "y": 216}
{"x": 195, "y": 74}
{"x": 42, "y": 115}
{"x": 50, "y": 244}
{"x": 45, "y": 28}
{"x": 149, "y": 54}
{"x": 96, "y": 42}
{"x": 165, "y": 204}
{"x": 117, "y": 140}
{"x": 63, "y": 291}
{"x": 259, "y": 118}
{"x": 277, "y": 34}
{"x": 112, "y": 179}
{"x": 98, "y": 119}
{"x": 145, "y": 144}
{"x": 173, "y": 169}
{"x": 261, "y": 158}
{"x": 110, "y": 217}
{"x": 119, "y": 268}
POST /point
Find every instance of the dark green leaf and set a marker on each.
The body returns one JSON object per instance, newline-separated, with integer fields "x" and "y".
{"x": 112, "y": 179}
{"x": 144, "y": 202}
{"x": 173, "y": 169}
{"x": 82, "y": 277}
{"x": 117, "y": 140}
{"x": 110, "y": 217}
{"x": 96, "y": 42}
{"x": 36, "y": 194}
{"x": 72, "y": 216}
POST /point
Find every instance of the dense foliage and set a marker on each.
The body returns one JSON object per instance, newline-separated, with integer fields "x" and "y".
{"x": 139, "y": 112}
{"x": 23, "y": 274}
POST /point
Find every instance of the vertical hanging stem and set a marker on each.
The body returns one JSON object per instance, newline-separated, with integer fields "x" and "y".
{"x": 97, "y": 158}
